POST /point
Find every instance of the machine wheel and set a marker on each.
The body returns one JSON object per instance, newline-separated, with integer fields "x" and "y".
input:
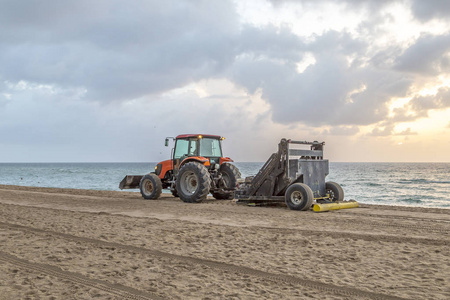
{"x": 174, "y": 193}
{"x": 223, "y": 196}
{"x": 150, "y": 186}
{"x": 230, "y": 174}
{"x": 193, "y": 182}
{"x": 299, "y": 196}
{"x": 335, "y": 191}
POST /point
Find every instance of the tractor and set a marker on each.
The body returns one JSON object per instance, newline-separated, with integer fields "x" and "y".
{"x": 196, "y": 168}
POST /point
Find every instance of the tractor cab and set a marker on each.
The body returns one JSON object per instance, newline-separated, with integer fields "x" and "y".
{"x": 204, "y": 148}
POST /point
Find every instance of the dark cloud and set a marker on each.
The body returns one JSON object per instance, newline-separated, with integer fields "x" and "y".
{"x": 429, "y": 55}
{"x": 429, "y": 9}
{"x": 332, "y": 91}
{"x": 116, "y": 50}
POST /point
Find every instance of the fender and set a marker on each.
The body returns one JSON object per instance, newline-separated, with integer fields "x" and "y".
{"x": 199, "y": 159}
{"x": 225, "y": 159}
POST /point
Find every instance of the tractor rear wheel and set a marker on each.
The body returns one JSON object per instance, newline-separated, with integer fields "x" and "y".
{"x": 150, "y": 186}
{"x": 230, "y": 174}
{"x": 299, "y": 196}
{"x": 193, "y": 182}
{"x": 335, "y": 191}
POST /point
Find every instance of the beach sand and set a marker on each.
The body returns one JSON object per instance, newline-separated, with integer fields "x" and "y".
{"x": 83, "y": 244}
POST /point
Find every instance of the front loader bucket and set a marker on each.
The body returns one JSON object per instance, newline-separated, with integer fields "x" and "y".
{"x": 130, "y": 182}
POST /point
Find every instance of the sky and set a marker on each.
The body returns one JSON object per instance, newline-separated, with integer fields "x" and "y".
{"x": 107, "y": 81}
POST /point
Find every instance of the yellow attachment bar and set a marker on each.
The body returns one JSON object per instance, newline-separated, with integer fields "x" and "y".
{"x": 319, "y": 207}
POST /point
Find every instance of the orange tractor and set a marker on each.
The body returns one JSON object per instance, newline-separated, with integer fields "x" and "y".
{"x": 196, "y": 169}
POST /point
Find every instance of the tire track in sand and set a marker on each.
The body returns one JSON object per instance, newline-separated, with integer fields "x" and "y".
{"x": 213, "y": 202}
{"x": 282, "y": 278}
{"x": 368, "y": 237}
{"x": 309, "y": 232}
{"x": 374, "y": 223}
{"x": 121, "y": 291}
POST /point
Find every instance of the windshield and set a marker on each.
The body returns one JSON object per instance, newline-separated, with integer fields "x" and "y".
{"x": 210, "y": 147}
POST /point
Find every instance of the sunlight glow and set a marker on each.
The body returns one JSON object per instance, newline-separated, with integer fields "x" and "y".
{"x": 308, "y": 60}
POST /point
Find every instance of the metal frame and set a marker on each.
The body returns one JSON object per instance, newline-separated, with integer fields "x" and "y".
{"x": 280, "y": 171}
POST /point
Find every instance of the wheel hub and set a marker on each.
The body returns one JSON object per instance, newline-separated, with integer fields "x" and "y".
{"x": 189, "y": 182}
{"x": 296, "y": 197}
{"x": 148, "y": 186}
{"x": 331, "y": 194}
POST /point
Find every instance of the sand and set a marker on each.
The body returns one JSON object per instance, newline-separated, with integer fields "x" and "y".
{"x": 82, "y": 244}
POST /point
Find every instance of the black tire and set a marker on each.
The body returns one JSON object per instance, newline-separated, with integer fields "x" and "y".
{"x": 223, "y": 196}
{"x": 174, "y": 193}
{"x": 230, "y": 174}
{"x": 193, "y": 182}
{"x": 299, "y": 196}
{"x": 150, "y": 186}
{"x": 335, "y": 191}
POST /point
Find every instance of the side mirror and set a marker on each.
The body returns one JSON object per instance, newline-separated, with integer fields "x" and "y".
{"x": 166, "y": 142}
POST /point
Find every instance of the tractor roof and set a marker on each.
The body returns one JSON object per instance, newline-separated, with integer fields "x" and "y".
{"x": 185, "y": 136}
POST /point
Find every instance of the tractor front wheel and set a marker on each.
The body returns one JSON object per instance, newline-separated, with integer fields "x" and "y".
{"x": 150, "y": 186}
{"x": 299, "y": 196}
{"x": 193, "y": 182}
{"x": 335, "y": 191}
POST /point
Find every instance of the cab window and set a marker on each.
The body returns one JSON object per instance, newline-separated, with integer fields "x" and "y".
{"x": 210, "y": 147}
{"x": 181, "y": 148}
{"x": 193, "y": 147}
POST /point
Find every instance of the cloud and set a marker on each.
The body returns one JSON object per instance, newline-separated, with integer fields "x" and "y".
{"x": 104, "y": 71}
{"x": 116, "y": 50}
{"x": 422, "y": 104}
{"x": 426, "y": 10}
{"x": 331, "y": 91}
{"x": 387, "y": 128}
{"x": 422, "y": 10}
{"x": 382, "y": 131}
{"x": 429, "y": 55}
{"x": 341, "y": 131}
{"x": 406, "y": 132}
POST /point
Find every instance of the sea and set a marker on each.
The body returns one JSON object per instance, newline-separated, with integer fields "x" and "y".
{"x": 402, "y": 184}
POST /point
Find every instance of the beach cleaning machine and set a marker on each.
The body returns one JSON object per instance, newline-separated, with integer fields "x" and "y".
{"x": 295, "y": 177}
{"x": 197, "y": 167}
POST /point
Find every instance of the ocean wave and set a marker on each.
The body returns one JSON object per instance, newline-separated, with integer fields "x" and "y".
{"x": 411, "y": 200}
{"x": 410, "y": 181}
{"x": 372, "y": 184}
